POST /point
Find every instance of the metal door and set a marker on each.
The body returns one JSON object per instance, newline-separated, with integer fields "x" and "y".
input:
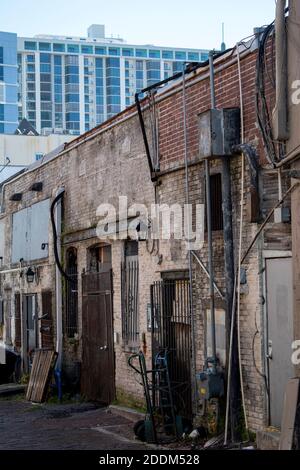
{"x": 279, "y": 289}
{"x": 98, "y": 376}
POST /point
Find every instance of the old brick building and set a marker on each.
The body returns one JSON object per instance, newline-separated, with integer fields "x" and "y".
{"x": 104, "y": 304}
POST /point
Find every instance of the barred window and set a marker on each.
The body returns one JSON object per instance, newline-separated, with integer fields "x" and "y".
{"x": 129, "y": 290}
{"x": 71, "y": 294}
{"x": 216, "y": 202}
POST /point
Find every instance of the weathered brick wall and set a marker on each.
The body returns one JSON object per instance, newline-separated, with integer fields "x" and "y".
{"x": 114, "y": 163}
{"x": 275, "y": 236}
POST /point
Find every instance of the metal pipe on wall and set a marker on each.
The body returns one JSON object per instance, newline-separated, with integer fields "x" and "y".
{"x": 58, "y": 281}
{"x": 280, "y": 112}
{"x": 209, "y": 229}
{"x": 210, "y": 266}
{"x": 189, "y": 222}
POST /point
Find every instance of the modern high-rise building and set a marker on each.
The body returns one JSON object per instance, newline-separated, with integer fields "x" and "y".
{"x": 8, "y": 83}
{"x": 71, "y": 84}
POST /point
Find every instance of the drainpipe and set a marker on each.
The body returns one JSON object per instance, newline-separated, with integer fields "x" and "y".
{"x": 189, "y": 223}
{"x": 280, "y": 112}
{"x": 228, "y": 267}
{"x": 229, "y": 289}
{"x": 58, "y": 286}
{"x": 209, "y": 228}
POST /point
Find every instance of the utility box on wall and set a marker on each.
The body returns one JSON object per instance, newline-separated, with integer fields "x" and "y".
{"x": 219, "y": 131}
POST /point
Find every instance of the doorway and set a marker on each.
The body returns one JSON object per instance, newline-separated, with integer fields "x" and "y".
{"x": 30, "y": 327}
{"x": 171, "y": 332}
{"x": 98, "y": 372}
{"x": 279, "y": 302}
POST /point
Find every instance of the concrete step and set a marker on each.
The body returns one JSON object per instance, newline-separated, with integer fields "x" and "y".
{"x": 11, "y": 389}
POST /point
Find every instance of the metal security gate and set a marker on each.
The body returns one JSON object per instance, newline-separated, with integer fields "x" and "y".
{"x": 171, "y": 331}
{"x": 98, "y": 375}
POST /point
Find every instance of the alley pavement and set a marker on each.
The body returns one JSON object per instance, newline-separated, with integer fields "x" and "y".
{"x": 82, "y": 426}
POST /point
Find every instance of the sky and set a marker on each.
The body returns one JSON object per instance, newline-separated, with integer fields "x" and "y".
{"x": 172, "y": 23}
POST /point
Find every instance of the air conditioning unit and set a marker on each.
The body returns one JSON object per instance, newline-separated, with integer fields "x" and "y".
{"x": 219, "y": 131}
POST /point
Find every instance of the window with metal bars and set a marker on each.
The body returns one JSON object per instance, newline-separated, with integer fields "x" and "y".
{"x": 71, "y": 294}
{"x": 129, "y": 291}
{"x": 216, "y": 202}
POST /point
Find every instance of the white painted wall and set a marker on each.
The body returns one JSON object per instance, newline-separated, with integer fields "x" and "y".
{"x": 22, "y": 149}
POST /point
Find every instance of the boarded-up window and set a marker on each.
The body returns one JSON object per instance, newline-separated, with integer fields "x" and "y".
{"x": 71, "y": 298}
{"x": 18, "y": 340}
{"x": 47, "y": 320}
{"x": 30, "y": 232}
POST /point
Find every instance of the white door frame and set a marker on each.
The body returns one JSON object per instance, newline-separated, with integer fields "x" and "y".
{"x": 268, "y": 254}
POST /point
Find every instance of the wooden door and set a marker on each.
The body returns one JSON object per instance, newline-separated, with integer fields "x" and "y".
{"x": 98, "y": 374}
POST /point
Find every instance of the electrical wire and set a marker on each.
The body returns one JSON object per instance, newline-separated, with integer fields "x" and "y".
{"x": 261, "y": 374}
{"x": 262, "y": 109}
{"x": 189, "y": 222}
{"x": 241, "y": 239}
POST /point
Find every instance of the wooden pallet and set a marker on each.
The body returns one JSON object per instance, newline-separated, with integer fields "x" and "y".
{"x": 42, "y": 367}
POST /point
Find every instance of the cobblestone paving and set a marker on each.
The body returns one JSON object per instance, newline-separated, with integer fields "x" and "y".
{"x": 25, "y": 426}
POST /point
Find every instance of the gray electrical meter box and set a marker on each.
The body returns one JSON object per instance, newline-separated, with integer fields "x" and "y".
{"x": 219, "y": 131}
{"x": 210, "y": 385}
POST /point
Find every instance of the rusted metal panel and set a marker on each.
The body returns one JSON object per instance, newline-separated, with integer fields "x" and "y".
{"x": 98, "y": 376}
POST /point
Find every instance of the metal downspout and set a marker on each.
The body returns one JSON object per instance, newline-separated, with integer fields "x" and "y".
{"x": 209, "y": 229}
{"x": 189, "y": 222}
{"x": 58, "y": 291}
{"x": 280, "y": 112}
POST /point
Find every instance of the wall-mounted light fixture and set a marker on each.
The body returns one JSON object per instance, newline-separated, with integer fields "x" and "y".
{"x": 30, "y": 275}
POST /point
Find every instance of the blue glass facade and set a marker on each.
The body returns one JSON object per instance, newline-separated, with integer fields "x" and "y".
{"x": 72, "y": 97}
{"x": 153, "y": 72}
{"x": 113, "y": 84}
{"x": 73, "y": 84}
{"x": 8, "y": 83}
